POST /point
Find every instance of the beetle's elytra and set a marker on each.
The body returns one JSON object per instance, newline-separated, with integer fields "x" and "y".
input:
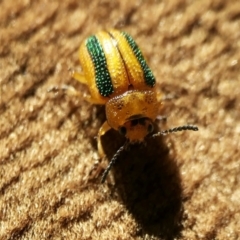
{"x": 117, "y": 75}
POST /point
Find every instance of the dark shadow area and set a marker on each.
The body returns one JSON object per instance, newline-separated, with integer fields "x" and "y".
{"x": 147, "y": 181}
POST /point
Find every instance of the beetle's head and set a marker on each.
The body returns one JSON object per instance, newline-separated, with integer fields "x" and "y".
{"x": 135, "y": 130}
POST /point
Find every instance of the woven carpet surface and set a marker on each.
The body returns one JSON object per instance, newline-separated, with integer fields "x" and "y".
{"x": 180, "y": 186}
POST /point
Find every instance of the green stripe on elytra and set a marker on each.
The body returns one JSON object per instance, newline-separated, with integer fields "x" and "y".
{"x": 148, "y": 75}
{"x": 103, "y": 79}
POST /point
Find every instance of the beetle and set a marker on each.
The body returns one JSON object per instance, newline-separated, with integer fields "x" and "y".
{"x": 117, "y": 76}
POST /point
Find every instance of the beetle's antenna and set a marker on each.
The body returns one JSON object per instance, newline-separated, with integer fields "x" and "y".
{"x": 176, "y": 129}
{"x": 113, "y": 160}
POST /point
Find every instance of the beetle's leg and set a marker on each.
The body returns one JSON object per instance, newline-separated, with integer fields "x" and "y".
{"x": 82, "y": 79}
{"x": 169, "y": 97}
{"x": 79, "y": 77}
{"x": 104, "y": 128}
{"x": 95, "y": 171}
{"x": 159, "y": 97}
{"x": 73, "y": 92}
{"x": 99, "y": 167}
{"x": 69, "y": 90}
{"x": 161, "y": 118}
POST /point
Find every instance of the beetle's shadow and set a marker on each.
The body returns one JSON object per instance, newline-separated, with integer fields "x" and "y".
{"x": 148, "y": 182}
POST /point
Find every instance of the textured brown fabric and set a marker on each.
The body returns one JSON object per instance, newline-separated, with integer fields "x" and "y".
{"x": 183, "y": 186}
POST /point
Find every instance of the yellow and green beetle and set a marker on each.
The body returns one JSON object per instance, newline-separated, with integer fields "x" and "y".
{"x": 117, "y": 75}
